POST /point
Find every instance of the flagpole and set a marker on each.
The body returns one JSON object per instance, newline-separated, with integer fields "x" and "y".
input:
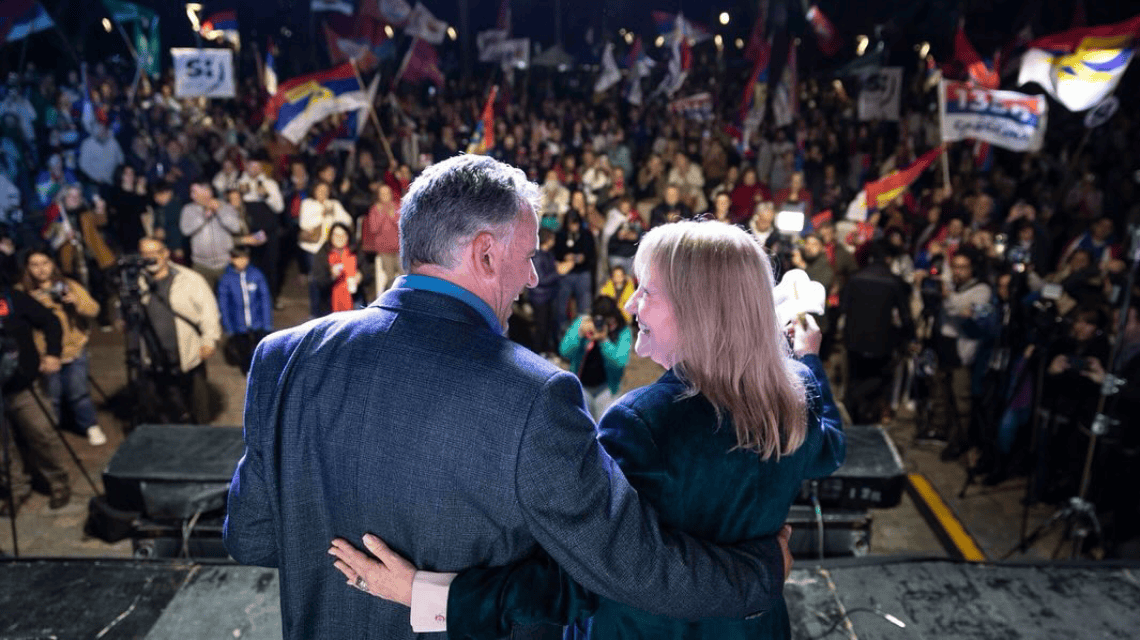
{"x": 375, "y": 118}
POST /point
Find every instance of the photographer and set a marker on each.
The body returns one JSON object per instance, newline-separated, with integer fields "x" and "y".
{"x": 184, "y": 314}
{"x": 211, "y": 225}
{"x": 597, "y": 347}
{"x": 1069, "y": 399}
{"x": 966, "y": 302}
{"x": 75, "y": 309}
{"x": 21, "y": 364}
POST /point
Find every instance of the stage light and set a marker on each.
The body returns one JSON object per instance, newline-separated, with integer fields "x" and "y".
{"x": 923, "y": 50}
{"x": 452, "y": 34}
{"x": 724, "y": 17}
{"x": 740, "y": 43}
{"x": 862, "y": 42}
{"x": 660, "y": 41}
{"x": 388, "y": 31}
{"x": 107, "y": 25}
{"x": 719, "y": 41}
{"x": 629, "y": 37}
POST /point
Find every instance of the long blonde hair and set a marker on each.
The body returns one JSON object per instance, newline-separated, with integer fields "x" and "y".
{"x": 731, "y": 350}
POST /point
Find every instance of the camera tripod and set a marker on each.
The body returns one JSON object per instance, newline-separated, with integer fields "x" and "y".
{"x": 1079, "y": 514}
{"x": 6, "y": 438}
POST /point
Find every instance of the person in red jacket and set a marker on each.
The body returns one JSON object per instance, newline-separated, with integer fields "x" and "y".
{"x": 380, "y": 236}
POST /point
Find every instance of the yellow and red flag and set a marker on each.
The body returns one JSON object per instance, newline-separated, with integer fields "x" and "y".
{"x": 882, "y": 191}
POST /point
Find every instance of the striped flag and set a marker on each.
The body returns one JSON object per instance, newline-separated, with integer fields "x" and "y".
{"x": 22, "y": 18}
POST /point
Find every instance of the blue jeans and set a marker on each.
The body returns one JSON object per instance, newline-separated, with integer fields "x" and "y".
{"x": 70, "y": 383}
{"x": 581, "y": 287}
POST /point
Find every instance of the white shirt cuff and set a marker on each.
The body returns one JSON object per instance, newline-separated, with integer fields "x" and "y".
{"x": 429, "y": 601}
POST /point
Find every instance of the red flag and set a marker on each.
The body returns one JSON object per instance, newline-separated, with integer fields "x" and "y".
{"x": 882, "y": 191}
{"x": 420, "y": 63}
{"x": 976, "y": 69}
{"x": 825, "y": 34}
{"x": 757, "y": 42}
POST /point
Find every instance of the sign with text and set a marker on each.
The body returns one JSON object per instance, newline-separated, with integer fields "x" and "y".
{"x": 880, "y": 96}
{"x": 1004, "y": 119}
{"x": 203, "y": 73}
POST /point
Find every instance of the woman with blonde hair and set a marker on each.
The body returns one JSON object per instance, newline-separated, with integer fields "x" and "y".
{"x": 719, "y": 445}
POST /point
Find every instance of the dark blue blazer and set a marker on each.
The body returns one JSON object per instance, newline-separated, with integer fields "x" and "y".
{"x": 411, "y": 419}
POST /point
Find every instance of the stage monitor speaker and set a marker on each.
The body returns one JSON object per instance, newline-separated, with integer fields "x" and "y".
{"x": 172, "y": 472}
{"x": 872, "y": 477}
{"x": 846, "y": 532}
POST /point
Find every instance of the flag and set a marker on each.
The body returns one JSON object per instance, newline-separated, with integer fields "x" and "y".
{"x": 147, "y": 46}
{"x": 337, "y": 6}
{"x": 345, "y": 135}
{"x": 758, "y": 44}
{"x": 977, "y": 71}
{"x": 22, "y": 18}
{"x": 124, "y": 12}
{"x": 674, "y": 27}
{"x": 639, "y": 64}
{"x": 755, "y": 100}
{"x": 421, "y": 62}
{"x": 395, "y": 12}
{"x": 1080, "y": 67}
{"x": 610, "y": 74}
{"x": 881, "y": 95}
{"x": 679, "y": 62}
{"x": 484, "y": 136}
{"x": 270, "y": 77}
{"x": 785, "y": 99}
{"x": 880, "y": 192}
{"x": 422, "y": 24}
{"x": 306, "y": 100}
{"x": 224, "y": 25}
{"x": 359, "y": 38}
{"x": 825, "y": 34}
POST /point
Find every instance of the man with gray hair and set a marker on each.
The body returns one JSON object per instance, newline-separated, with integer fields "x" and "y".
{"x": 415, "y": 419}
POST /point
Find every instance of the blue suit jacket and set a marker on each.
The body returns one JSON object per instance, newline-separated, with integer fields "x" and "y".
{"x": 411, "y": 419}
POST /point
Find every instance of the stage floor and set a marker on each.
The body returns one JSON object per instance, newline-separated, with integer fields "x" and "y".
{"x": 867, "y": 598}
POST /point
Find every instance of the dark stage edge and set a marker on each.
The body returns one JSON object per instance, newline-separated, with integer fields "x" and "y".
{"x": 954, "y": 600}
{"x": 941, "y": 599}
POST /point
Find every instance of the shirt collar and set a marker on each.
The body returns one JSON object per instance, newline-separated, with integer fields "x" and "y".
{"x": 439, "y": 285}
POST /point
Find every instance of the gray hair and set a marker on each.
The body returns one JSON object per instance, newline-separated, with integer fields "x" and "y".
{"x": 453, "y": 201}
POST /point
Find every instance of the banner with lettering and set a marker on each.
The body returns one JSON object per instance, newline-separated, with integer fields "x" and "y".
{"x": 1005, "y": 119}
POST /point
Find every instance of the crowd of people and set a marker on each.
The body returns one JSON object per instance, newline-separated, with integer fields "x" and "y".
{"x": 942, "y": 298}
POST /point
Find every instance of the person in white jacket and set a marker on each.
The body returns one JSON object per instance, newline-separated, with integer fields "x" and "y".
{"x": 318, "y": 215}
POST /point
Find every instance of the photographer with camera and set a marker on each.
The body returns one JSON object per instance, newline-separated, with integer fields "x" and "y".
{"x": 20, "y": 366}
{"x": 966, "y": 303}
{"x": 1069, "y": 399}
{"x": 211, "y": 225}
{"x": 75, "y": 309}
{"x": 182, "y": 310}
{"x": 597, "y": 347}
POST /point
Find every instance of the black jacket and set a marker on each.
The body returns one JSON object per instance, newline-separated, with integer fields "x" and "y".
{"x": 19, "y": 314}
{"x": 870, "y": 301}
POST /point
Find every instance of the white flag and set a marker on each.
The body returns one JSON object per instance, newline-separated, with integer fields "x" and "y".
{"x": 611, "y": 75}
{"x": 422, "y": 24}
